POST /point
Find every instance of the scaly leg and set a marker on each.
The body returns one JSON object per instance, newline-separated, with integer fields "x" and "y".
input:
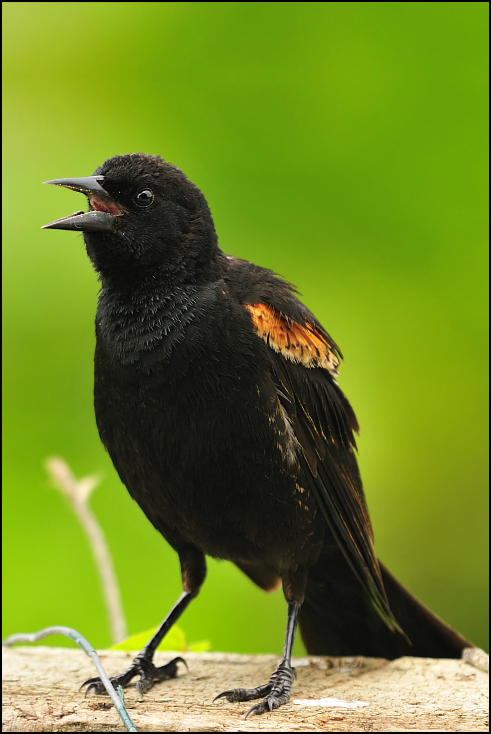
{"x": 276, "y": 692}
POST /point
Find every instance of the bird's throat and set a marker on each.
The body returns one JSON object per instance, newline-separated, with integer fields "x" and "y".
{"x": 131, "y": 329}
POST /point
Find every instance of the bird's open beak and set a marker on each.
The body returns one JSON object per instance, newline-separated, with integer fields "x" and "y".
{"x": 103, "y": 211}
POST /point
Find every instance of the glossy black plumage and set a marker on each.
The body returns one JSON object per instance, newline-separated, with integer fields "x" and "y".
{"x": 216, "y": 397}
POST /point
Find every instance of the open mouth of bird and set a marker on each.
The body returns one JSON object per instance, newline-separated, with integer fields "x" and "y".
{"x": 103, "y": 212}
{"x": 98, "y": 204}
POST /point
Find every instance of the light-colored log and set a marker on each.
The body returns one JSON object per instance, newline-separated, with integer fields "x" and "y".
{"x": 40, "y": 693}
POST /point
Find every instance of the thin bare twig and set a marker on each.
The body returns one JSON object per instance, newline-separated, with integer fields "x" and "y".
{"x": 78, "y": 493}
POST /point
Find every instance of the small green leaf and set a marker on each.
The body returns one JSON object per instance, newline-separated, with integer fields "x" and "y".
{"x": 201, "y": 646}
{"x": 175, "y": 639}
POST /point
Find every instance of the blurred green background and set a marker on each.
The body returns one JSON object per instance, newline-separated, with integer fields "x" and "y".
{"x": 342, "y": 145}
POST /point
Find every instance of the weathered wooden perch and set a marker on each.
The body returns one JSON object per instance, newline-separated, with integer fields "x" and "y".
{"x": 40, "y": 693}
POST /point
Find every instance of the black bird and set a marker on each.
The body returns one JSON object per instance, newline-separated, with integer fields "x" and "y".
{"x": 216, "y": 398}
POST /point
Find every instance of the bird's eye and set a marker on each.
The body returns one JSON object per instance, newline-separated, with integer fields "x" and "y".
{"x": 144, "y": 198}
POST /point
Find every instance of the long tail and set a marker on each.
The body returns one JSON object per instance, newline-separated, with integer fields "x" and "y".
{"x": 338, "y": 618}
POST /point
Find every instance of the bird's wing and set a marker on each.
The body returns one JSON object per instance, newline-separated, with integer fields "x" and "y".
{"x": 304, "y": 362}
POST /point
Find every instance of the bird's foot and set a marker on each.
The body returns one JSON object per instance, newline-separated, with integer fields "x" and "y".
{"x": 274, "y": 694}
{"x": 142, "y": 666}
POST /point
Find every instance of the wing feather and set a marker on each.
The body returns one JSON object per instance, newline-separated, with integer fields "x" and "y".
{"x": 304, "y": 362}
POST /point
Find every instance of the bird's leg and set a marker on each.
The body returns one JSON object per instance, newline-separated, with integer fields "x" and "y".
{"x": 193, "y": 569}
{"x": 142, "y": 665}
{"x": 276, "y": 691}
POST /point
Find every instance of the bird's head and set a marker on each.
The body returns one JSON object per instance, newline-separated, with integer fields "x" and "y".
{"x": 144, "y": 216}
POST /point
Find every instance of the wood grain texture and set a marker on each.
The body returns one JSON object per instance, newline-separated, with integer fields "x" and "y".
{"x": 40, "y": 693}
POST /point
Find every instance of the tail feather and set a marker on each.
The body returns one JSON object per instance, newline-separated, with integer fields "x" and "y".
{"x": 339, "y": 618}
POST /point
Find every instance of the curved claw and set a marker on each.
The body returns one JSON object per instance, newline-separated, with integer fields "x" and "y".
{"x": 92, "y": 686}
{"x": 262, "y": 706}
{"x": 221, "y": 695}
{"x": 250, "y": 711}
{"x": 144, "y": 685}
{"x": 88, "y": 681}
{"x": 257, "y": 709}
{"x": 180, "y": 660}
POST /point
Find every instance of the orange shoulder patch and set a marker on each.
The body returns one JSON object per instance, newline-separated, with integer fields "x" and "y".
{"x": 304, "y": 344}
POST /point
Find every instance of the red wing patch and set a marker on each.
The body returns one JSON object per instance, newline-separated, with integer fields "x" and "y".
{"x": 304, "y": 344}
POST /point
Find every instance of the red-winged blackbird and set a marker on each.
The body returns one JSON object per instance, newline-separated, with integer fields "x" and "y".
{"x": 216, "y": 397}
